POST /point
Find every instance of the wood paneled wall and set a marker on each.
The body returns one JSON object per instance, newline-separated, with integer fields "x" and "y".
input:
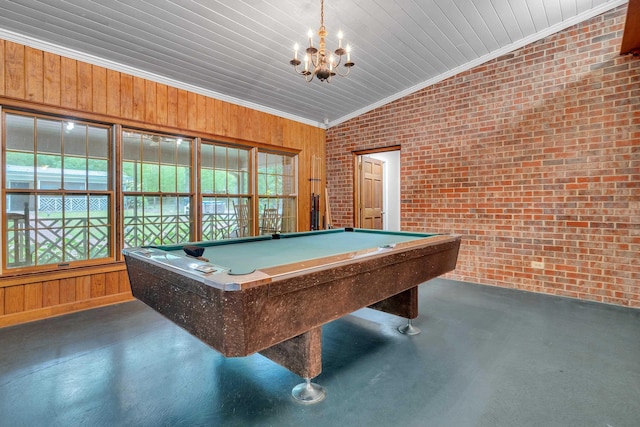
{"x": 46, "y": 82}
{"x": 43, "y": 295}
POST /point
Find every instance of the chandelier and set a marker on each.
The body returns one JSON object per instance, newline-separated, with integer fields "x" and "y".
{"x": 316, "y": 62}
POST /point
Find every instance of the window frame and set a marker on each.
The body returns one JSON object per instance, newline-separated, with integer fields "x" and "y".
{"x": 159, "y": 194}
{"x": 292, "y": 196}
{"x": 229, "y": 222}
{"x": 60, "y": 197}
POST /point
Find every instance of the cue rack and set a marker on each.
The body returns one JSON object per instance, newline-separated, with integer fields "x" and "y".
{"x": 316, "y": 187}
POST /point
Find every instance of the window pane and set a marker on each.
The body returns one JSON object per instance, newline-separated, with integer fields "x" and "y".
{"x": 130, "y": 176}
{"x": 75, "y": 140}
{"x": 206, "y": 181}
{"x": 184, "y": 152}
{"x": 49, "y": 136}
{"x": 150, "y": 149}
{"x": 232, "y": 159}
{"x": 75, "y": 241}
{"x": 183, "y": 179}
{"x": 98, "y": 142}
{"x": 150, "y": 177}
{"x": 220, "y": 158}
{"x": 131, "y": 146}
{"x": 168, "y": 178}
{"x": 48, "y": 172}
{"x": 18, "y": 244}
{"x": 19, "y": 133}
{"x": 75, "y": 173}
{"x": 230, "y": 181}
{"x": 168, "y": 151}
{"x": 242, "y": 179}
{"x": 98, "y": 174}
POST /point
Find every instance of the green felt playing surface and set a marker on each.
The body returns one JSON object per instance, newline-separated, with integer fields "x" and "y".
{"x": 245, "y": 255}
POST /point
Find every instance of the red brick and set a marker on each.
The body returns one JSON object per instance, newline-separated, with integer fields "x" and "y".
{"x": 531, "y": 156}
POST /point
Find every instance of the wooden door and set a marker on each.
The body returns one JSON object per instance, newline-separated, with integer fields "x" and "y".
{"x": 371, "y": 193}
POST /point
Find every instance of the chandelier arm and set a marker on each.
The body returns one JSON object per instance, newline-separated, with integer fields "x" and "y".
{"x": 309, "y": 77}
{"x": 337, "y": 71}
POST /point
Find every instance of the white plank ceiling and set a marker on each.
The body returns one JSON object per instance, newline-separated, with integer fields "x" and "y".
{"x": 239, "y": 50}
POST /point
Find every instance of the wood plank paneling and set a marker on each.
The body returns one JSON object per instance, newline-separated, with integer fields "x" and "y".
{"x": 1, "y": 301}
{"x": 69, "y": 83}
{"x": 33, "y": 296}
{"x": 42, "y": 313}
{"x": 210, "y": 111}
{"x": 113, "y": 93}
{"x": 202, "y": 112}
{"x": 50, "y": 293}
{"x": 99, "y": 89}
{"x": 67, "y": 290}
{"x": 192, "y": 110}
{"x": 277, "y": 132}
{"x": 52, "y": 76}
{"x": 234, "y": 116}
{"x": 83, "y": 288}
{"x": 126, "y": 96}
{"x": 219, "y": 118}
{"x": 13, "y": 299}
{"x": 98, "y": 285}
{"x": 161, "y": 104}
{"x": 139, "y": 86}
{"x": 111, "y": 283}
{"x": 172, "y": 106}
{"x": 85, "y": 86}
{"x": 182, "y": 111}
{"x": 14, "y": 70}
{"x": 150, "y": 113}
{"x": 34, "y": 76}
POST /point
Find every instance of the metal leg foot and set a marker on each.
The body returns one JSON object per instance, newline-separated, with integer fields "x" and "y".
{"x": 308, "y": 392}
{"x": 409, "y": 329}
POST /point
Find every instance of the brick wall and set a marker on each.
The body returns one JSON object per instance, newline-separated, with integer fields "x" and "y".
{"x": 532, "y": 157}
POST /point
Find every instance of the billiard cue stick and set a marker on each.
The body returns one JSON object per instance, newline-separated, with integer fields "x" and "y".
{"x": 327, "y": 208}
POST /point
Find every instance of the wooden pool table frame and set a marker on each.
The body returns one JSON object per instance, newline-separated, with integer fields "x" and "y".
{"x": 279, "y": 311}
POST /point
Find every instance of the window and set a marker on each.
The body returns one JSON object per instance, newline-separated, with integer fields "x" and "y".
{"x": 156, "y": 181}
{"x": 226, "y": 192}
{"x": 57, "y": 191}
{"x": 276, "y": 175}
{"x": 59, "y": 195}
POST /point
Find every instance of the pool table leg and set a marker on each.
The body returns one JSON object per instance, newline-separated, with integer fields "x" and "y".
{"x": 302, "y": 355}
{"x": 404, "y": 304}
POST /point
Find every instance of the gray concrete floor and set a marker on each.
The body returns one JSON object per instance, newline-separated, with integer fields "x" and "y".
{"x": 486, "y": 357}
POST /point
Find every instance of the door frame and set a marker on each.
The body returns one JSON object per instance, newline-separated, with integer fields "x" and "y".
{"x": 356, "y": 178}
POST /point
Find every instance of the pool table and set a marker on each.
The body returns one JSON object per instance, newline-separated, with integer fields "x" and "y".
{"x": 272, "y": 294}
